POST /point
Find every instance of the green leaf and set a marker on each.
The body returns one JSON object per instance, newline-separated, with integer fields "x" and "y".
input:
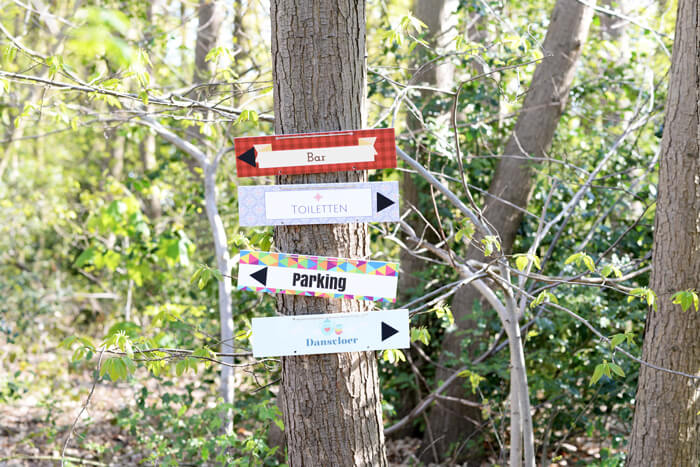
{"x": 85, "y": 257}
{"x": 542, "y": 297}
{"x": 616, "y": 340}
{"x": 490, "y": 242}
{"x": 474, "y": 379}
{"x": 111, "y": 259}
{"x": 598, "y": 373}
{"x": 644, "y": 293}
{"x": 420, "y": 334}
{"x": 247, "y": 115}
{"x": 393, "y": 356}
{"x": 610, "y": 268}
{"x": 686, "y": 299}
{"x": 617, "y": 369}
{"x": 67, "y": 343}
{"x": 466, "y": 231}
{"x": 244, "y": 334}
{"x": 180, "y": 367}
{"x": 445, "y": 313}
{"x": 579, "y": 258}
{"x": 522, "y": 261}
{"x": 105, "y": 366}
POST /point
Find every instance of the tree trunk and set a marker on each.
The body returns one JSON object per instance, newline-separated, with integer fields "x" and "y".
{"x": 210, "y": 16}
{"x": 666, "y": 427}
{"x": 330, "y": 403}
{"x": 513, "y": 180}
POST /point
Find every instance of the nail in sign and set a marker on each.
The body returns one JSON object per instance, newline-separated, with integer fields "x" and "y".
{"x": 330, "y": 333}
{"x": 320, "y": 203}
{"x": 315, "y": 152}
{"x": 317, "y": 276}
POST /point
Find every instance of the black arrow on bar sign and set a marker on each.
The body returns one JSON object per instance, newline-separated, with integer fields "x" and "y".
{"x": 248, "y": 157}
{"x": 387, "y": 331}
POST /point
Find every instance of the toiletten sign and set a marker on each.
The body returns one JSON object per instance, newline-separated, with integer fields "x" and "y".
{"x": 320, "y": 203}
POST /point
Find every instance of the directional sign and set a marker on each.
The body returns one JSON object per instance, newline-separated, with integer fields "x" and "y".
{"x": 330, "y": 333}
{"x": 315, "y": 152}
{"x": 317, "y": 276}
{"x": 321, "y": 203}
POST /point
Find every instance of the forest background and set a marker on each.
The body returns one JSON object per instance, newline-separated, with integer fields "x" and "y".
{"x": 121, "y": 339}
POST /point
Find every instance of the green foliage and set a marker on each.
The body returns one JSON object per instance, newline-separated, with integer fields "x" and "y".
{"x": 393, "y": 356}
{"x": 523, "y": 260}
{"x": 581, "y": 258}
{"x": 686, "y": 299}
{"x": 466, "y": 231}
{"x": 474, "y": 379}
{"x": 605, "y": 369}
{"x": 247, "y": 116}
{"x": 490, "y": 243}
{"x": 186, "y": 430}
{"x": 644, "y": 293}
{"x": 420, "y": 334}
{"x": 103, "y": 34}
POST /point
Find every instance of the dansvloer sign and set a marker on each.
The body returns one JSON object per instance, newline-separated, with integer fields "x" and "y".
{"x": 330, "y": 333}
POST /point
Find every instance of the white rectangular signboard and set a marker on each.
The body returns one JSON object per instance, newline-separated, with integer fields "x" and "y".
{"x": 363, "y": 152}
{"x": 320, "y": 203}
{"x": 330, "y": 333}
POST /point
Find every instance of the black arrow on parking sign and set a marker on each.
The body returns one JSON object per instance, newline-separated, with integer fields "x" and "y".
{"x": 260, "y": 275}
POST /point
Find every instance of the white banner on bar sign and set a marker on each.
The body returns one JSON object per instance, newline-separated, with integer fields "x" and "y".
{"x": 321, "y": 203}
{"x": 330, "y": 333}
{"x": 268, "y": 159}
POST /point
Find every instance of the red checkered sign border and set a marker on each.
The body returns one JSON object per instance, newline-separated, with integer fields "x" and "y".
{"x": 267, "y": 155}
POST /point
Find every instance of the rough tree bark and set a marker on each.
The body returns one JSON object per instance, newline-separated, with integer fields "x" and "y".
{"x": 514, "y": 177}
{"x": 330, "y": 403}
{"x": 666, "y": 428}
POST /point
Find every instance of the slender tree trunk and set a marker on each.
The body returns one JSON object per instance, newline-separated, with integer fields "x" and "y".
{"x": 210, "y": 18}
{"x": 439, "y": 18}
{"x": 331, "y": 403}
{"x": 514, "y": 177}
{"x": 666, "y": 427}
{"x": 148, "y": 145}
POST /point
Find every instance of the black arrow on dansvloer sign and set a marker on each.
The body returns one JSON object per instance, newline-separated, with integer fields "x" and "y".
{"x": 387, "y": 331}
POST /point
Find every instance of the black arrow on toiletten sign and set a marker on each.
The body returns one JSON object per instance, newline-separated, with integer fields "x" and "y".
{"x": 383, "y": 202}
